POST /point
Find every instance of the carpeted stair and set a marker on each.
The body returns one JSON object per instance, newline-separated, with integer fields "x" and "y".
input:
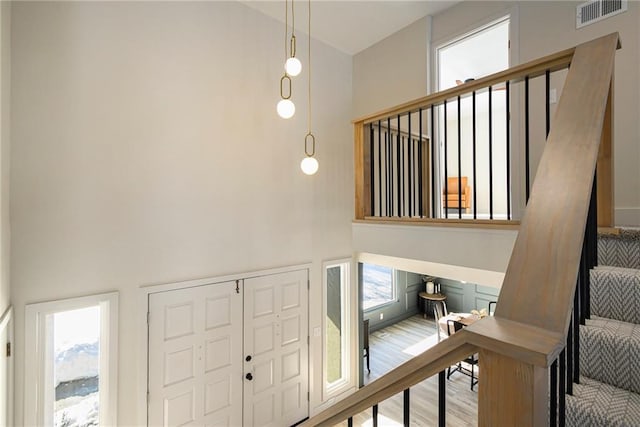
{"x": 609, "y": 389}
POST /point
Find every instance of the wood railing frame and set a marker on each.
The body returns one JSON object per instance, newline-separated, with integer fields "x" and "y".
{"x": 527, "y": 333}
{"x": 531, "y": 69}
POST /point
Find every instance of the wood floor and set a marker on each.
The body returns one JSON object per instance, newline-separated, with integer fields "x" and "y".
{"x": 396, "y": 344}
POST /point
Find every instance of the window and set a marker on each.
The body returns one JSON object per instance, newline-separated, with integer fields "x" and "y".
{"x": 71, "y": 362}
{"x": 337, "y": 322}
{"x": 378, "y": 286}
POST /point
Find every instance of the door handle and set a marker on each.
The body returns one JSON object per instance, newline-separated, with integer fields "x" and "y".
{"x": 248, "y": 358}
{"x": 249, "y": 376}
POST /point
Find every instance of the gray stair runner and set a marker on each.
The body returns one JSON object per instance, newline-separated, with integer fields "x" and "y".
{"x": 596, "y": 404}
{"x": 610, "y": 352}
{"x": 615, "y": 293}
{"x": 609, "y": 389}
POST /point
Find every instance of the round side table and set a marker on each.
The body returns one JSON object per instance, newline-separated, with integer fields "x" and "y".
{"x": 429, "y": 299}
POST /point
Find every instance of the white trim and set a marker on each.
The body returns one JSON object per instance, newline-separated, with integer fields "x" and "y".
{"x": 346, "y": 380}
{"x": 6, "y": 323}
{"x": 143, "y": 331}
{"x": 36, "y": 316}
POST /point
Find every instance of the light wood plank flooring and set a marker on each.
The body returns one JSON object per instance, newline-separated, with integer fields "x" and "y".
{"x": 396, "y": 344}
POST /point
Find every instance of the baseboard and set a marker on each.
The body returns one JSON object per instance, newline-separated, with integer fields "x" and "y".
{"x": 627, "y": 217}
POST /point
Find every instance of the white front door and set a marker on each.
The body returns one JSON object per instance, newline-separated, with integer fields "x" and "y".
{"x": 195, "y": 345}
{"x": 276, "y": 350}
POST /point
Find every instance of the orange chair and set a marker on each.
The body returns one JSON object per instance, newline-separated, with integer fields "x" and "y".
{"x": 452, "y": 199}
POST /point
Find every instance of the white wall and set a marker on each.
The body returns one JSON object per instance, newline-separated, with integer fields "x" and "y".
{"x": 392, "y": 71}
{"x": 470, "y": 254}
{"x": 147, "y": 150}
{"x": 543, "y": 28}
{"x": 5, "y": 135}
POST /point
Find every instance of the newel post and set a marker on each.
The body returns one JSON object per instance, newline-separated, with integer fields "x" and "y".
{"x": 362, "y": 170}
{"x": 512, "y": 392}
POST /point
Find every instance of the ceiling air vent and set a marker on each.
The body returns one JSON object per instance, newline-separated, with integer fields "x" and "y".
{"x": 597, "y": 10}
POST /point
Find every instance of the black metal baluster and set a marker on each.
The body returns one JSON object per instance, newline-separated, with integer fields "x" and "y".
{"x": 410, "y": 163}
{"x": 527, "y": 185}
{"x": 592, "y": 243}
{"x": 420, "y": 162}
{"x": 459, "y": 160}
{"x": 433, "y": 164}
{"x": 380, "y": 168}
{"x": 553, "y": 404}
{"x": 570, "y": 355}
{"x": 372, "y": 170}
{"x": 561, "y": 388}
{"x": 584, "y": 277}
{"x": 547, "y": 106}
{"x": 398, "y": 171}
{"x": 403, "y": 184}
{"x": 473, "y": 139}
{"x": 414, "y": 179}
{"x": 406, "y": 406}
{"x": 594, "y": 220}
{"x": 490, "y": 153}
{"x": 386, "y": 172}
{"x": 391, "y": 186}
{"x": 442, "y": 400}
{"x": 446, "y": 183}
{"x": 508, "y": 143}
{"x": 576, "y": 334}
{"x": 375, "y": 415}
{"x": 350, "y": 422}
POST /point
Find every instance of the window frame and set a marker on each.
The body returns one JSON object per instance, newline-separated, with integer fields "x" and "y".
{"x": 346, "y": 377}
{"x": 38, "y": 345}
{"x": 394, "y": 289}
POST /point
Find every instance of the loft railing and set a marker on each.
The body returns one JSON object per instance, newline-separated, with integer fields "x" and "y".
{"x": 540, "y": 306}
{"x": 463, "y": 153}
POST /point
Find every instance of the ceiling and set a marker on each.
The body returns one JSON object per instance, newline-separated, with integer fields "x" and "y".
{"x": 351, "y": 25}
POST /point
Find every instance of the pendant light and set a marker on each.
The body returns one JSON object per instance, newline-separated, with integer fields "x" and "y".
{"x": 309, "y": 164}
{"x": 293, "y": 66}
{"x": 285, "y": 107}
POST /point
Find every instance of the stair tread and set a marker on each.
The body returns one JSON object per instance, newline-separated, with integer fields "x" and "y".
{"x": 615, "y": 293}
{"x": 598, "y": 404}
{"x": 616, "y": 269}
{"x": 613, "y": 326}
{"x": 608, "y": 352}
{"x": 622, "y": 249}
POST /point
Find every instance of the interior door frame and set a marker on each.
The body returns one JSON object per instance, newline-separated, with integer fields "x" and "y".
{"x": 143, "y": 331}
{"x": 6, "y": 324}
{"x": 512, "y": 14}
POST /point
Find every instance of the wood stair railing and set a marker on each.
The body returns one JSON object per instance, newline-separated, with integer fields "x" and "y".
{"x": 528, "y": 331}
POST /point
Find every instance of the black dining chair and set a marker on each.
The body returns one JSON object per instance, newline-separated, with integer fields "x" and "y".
{"x": 452, "y": 327}
{"x": 365, "y": 333}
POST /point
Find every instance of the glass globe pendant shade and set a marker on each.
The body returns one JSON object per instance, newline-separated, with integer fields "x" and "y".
{"x": 293, "y": 66}
{"x": 309, "y": 165}
{"x": 286, "y": 108}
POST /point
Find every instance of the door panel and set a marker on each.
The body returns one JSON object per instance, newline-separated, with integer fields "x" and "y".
{"x": 194, "y": 345}
{"x": 275, "y": 336}
{"x": 196, "y": 361}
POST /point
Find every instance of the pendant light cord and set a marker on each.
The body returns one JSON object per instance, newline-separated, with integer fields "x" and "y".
{"x": 309, "y": 72}
{"x": 286, "y": 28}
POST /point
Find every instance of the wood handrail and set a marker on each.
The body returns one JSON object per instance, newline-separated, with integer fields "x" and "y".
{"x": 553, "y": 62}
{"x": 539, "y": 283}
{"x": 410, "y": 373}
